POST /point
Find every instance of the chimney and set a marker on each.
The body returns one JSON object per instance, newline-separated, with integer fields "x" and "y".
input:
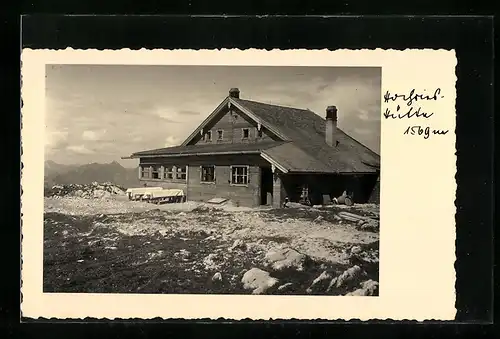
{"x": 331, "y": 126}
{"x": 234, "y": 93}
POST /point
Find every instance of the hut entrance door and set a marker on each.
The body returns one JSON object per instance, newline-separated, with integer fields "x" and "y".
{"x": 266, "y": 186}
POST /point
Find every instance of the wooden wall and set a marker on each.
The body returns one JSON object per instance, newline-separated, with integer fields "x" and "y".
{"x": 232, "y": 122}
{"x": 248, "y": 195}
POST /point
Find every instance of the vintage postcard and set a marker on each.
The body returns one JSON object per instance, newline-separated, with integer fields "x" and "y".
{"x": 238, "y": 184}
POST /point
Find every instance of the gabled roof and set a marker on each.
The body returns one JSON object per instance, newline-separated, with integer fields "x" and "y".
{"x": 306, "y": 130}
{"x": 303, "y": 147}
{"x": 232, "y": 101}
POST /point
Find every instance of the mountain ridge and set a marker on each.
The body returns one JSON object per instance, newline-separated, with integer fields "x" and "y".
{"x": 113, "y": 172}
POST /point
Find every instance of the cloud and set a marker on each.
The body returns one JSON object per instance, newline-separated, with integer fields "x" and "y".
{"x": 80, "y": 149}
{"x": 171, "y": 141}
{"x": 188, "y": 112}
{"x": 93, "y": 135}
{"x": 52, "y": 139}
{"x": 100, "y": 113}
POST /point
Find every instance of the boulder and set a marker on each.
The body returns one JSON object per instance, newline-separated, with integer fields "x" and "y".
{"x": 370, "y": 225}
{"x": 368, "y": 288}
{"x": 258, "y": 281}
{"x": 361, "y": 222}
{"x": 356, "y": 249}
{"x": 238, "y": 243}
{"x": 349, "y": 275}
{"x": 322, "y": 277}
{"x": 217, "y": 277}
{"x": 284, "y": 286}
{"x": 318, "y": 219}
{"x": 287, "y": 257}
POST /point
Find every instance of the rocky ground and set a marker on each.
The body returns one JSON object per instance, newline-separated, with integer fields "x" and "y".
{"x": 112, "y": 245}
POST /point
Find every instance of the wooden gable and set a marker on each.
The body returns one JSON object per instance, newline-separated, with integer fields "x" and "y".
{"x": 230, "y": 124}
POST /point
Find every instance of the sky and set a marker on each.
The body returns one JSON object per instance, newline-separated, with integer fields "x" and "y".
{"x": 100, "y": 113}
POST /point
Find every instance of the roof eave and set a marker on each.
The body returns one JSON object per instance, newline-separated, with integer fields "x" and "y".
{"x": 305, "y": 171}
{"x": 206, "y": 121}
{"x": 173, "y": 155}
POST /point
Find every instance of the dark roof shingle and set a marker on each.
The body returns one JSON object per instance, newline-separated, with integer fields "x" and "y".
{"x": 306, "y": 150}
{"x": 306, "y": 130}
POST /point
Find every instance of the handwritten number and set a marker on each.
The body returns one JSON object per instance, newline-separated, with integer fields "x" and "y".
{"x": 423, "y": 131}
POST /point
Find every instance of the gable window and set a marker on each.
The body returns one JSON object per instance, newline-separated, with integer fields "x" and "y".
{"x": 259, "y": 133}
{"x": 207, "y": 173}
{"x": 246, "y": 133}
{"x": 155, "y": 172}
{"x": 181, "y": 172}
{"x": 169, "y": 172}
{"x": 220, "y": 134}
{"x": 239, "y": 175}
{"x": 208, "y": 136}
{"x": 145, "y": 172}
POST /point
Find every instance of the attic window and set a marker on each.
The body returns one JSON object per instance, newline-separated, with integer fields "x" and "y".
{"x": 246, "y": 133}
{"x": 208, "y": 136}
{"x": 220, "y": 134}
{"x": 259, "y": 133}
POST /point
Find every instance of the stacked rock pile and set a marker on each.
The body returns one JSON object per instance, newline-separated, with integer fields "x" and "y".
{"x": 92, "y": 191}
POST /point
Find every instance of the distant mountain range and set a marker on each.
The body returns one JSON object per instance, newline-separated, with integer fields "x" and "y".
{"x": 59, "y": 174}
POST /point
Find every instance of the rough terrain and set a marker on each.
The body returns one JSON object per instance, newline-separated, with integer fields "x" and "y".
{"x": 103, "y": 243}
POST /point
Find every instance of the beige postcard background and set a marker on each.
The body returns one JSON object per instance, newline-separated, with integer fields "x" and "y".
{"x": 417, "y": 233}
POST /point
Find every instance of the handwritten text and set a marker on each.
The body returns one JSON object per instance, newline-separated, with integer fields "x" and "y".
{"x": 412, "y": 97}
{"x": 412, "y": 112}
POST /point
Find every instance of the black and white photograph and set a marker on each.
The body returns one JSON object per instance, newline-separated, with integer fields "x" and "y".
{"x": 165, "y": 179}
{"x": 207, "y": 179}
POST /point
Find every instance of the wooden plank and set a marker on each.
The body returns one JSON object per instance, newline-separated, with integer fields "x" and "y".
{"x": 217, "y": 200}
{"x": 352, "y": 215}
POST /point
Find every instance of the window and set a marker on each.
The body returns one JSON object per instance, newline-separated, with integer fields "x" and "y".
{"x": 208, "y": 136}
{"x": 259, "y": 133}
{"x": 155, "y": 172}
{"x": 239, "y": 175}
{"x": 220, "y": 134}
{"x": 208, "y": 173}
{"x": 181, "y": 172}
{"x": 168, "y": 173}
{"x": 145, "y": 172}
{"x": 245, "y": 133}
